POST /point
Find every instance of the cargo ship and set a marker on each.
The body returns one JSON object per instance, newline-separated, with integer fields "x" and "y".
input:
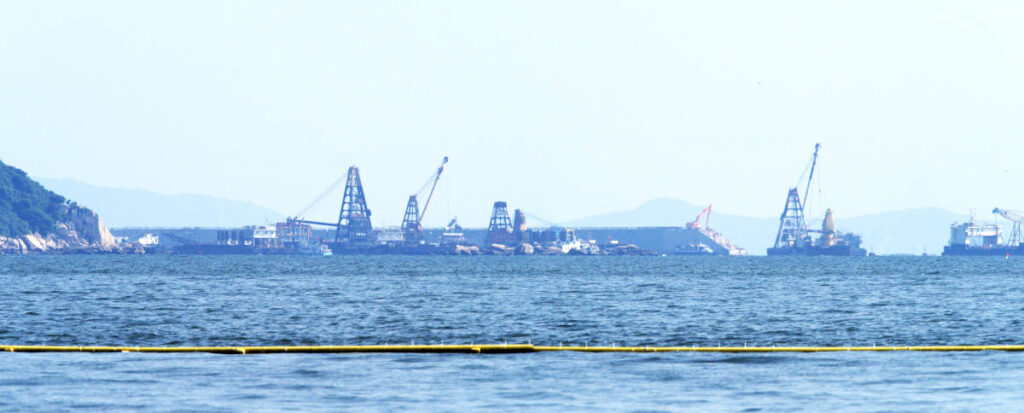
{"x": 794, "y": 238}
{"x": 973, "y": 238}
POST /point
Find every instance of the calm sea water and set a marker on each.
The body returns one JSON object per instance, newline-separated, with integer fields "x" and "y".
{"x": 666, "y": 301}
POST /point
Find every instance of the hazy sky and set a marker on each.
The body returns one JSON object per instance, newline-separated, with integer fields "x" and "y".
{"x": 564, "y": 109}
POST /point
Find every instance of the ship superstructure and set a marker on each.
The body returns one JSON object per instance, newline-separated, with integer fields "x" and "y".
{"x": 976, "y": 238}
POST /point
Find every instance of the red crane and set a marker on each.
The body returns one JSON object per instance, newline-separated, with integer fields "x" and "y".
{"x": 696, "y": 222}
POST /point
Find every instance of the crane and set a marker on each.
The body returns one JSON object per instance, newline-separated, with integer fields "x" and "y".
{"x": 1017, "y": 218}
{"x": 353, "y": 226}
{"x": 814, "y": 163}
{"x": 437, "y": 177}
{"x": 324, "y": 194}
{"x": 792, "y": 226}
{"x": 696, "y": 222}
{"x": 412, "y": 222}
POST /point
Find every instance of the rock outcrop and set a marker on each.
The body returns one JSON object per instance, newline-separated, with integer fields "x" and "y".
{"x": 36, "y": 220}
{"x": 82, "y": 232}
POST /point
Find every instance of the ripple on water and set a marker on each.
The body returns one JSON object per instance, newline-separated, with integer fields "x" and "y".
{"x": 82, "y": 300}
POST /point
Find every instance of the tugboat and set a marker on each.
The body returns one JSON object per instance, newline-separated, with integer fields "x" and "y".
{"x": 794, "y": 238}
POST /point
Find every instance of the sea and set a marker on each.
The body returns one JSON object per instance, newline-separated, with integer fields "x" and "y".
{"x": 565, "y": 300}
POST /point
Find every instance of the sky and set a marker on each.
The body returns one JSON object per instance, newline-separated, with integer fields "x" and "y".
{"x": 562, "y": 108}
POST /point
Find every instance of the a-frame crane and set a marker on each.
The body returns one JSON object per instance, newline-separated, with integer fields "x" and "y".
{"x": 412, "y": 222}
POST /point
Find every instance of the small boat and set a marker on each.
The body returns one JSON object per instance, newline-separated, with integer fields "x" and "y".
{"x": 695, "y": 248}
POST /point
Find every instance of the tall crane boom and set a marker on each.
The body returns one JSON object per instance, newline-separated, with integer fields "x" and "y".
{"x": 1014, "y": 216}
{"x": 696, "y": 222}
{"x": 814, "y": 163}
{"x": 437, "y": 177}
{"x": 1017, "y": 217}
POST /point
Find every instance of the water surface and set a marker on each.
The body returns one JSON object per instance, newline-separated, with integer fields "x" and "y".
{"x": 667, "y": 301}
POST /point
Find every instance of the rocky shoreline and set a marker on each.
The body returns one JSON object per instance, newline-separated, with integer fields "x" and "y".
{"x": 81, "y": 233}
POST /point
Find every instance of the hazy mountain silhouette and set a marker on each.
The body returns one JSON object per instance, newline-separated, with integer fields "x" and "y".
{"x": 140, "y": 208}
{"x": 911, "y": 231}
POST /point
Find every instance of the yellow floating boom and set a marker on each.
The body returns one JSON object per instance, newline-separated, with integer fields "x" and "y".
{"x": 483, "y": 348}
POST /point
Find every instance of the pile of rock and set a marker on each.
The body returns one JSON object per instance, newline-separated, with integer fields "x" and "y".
{"x": 628, "y": 249}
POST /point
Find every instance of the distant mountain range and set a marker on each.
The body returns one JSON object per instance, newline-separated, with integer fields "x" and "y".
{"x": 122, "y": 208}
{"x": 911, "y": 231}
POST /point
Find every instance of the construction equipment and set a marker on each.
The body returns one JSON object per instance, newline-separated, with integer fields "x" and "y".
{"x": 354, "y": 219}
{"x": 353, "y": 226}
{"x": 437, "y": 177}
{"x": 828, "y": 229}
{"x": 519, "y": 226}
{"x": 1016, "y": 218}
{"x": 499, "y": 230}
{"x": 324, "y": 194}
{"x": 794, "y": 237}
{"x": 453, "y": 226}
{"x": 541, "y": 220}
{"x": 792, "y": 226}
{"x": 706, "y": 213}
{"x": 412, "y": 222}
{"x": 412, "y": 229}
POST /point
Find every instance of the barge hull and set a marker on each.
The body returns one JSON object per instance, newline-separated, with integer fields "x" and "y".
{"x": 833, "y": 251}
{"x": 955, "y": 250}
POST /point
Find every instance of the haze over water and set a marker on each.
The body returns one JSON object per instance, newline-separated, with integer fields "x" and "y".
{"x": 665, "y": 301}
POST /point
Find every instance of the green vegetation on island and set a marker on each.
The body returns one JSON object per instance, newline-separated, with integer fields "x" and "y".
{"x": 27, "y": 207}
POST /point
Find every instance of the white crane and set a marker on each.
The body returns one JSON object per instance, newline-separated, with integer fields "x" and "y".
{"x": 1017, "y": 218}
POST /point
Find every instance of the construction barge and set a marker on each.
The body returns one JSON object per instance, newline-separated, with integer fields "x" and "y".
{"x": 666, "y": 240}
{"x": 506, "y": 234}
{"x": 795, "y": 238}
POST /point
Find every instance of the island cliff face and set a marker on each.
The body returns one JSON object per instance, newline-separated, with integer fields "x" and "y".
{"x": 34, "y": 219}
{"x": 82, "y": 232}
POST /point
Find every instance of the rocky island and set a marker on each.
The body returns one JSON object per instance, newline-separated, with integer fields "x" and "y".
{"x": 36, "y": 220}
